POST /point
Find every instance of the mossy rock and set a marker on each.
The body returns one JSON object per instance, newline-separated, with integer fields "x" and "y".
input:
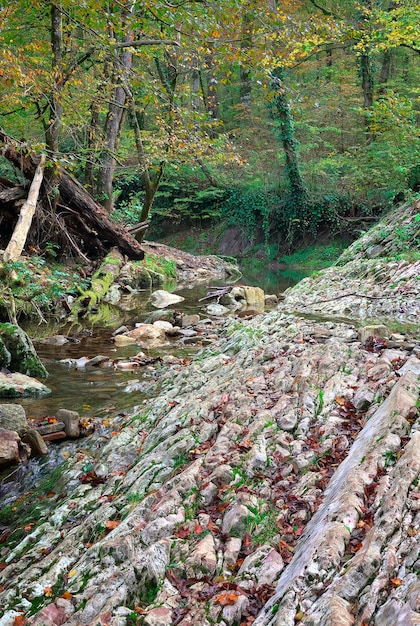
{"x": 137, "y": 276}
{"x": 23, "y": 356}
{"x": 5, "y": 356}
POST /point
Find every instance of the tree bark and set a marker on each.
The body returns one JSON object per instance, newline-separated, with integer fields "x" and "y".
{"x": 284, "y": 115}
{"x": 114, "y": 120}
{"x": 18, "y": 240}
{"x": 53, "y": 126}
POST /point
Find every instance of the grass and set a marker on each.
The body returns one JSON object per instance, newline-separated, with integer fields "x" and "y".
{"x": 161, "y": 265}
{"x": 316, "y": 257}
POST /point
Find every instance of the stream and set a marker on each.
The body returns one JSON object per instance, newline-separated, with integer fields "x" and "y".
{"x": 104, "y": 393}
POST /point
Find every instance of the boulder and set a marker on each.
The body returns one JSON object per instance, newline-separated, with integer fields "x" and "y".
{"x": 124, "y": 340}
{"x": 217, "y": 309}
{"x": 21, "y": 386}
{"x": 13, "y": 417}
{"x": 160, "y": 314}
{"x": 160, "y": 299}
{"x": 245, "y": 297}
{"x": 147, "y": 333}
{"x": 23, "y": 357}
{"x": 136, "y": 276}
{"x": 12, "y": 449}
{"x": 35, "y": 442}
{"x": 71, "y": 422}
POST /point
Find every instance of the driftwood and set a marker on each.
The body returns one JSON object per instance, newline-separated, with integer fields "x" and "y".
{"x": 84, "y": 217}
{"x": 18, "y": 240}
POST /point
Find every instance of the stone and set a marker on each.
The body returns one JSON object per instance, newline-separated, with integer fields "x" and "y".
{"x": 160, "y": 314}
{"x": 377, "y": 330}
{"x": 162, "y": 616}
{"x": 13, "y": 417}
{"x": 235, "y": 519}
{"x": 55, "y": 436}
{"x": 148, "y": 335}
{"x": 363, "y": 398}
{"x": 189, "y": 320}
{"x": 136, "y": 276}
{"x": 53, "y": 427}
{"x": 23, "y": 356}
{"x": 232, "y": 613}
{"x": 124, "y": 340}
{"x": 216, "y": 309}
{"x": 54, "y": 340}
{"x": 166, "y": 326}
{"x": 247, "y": 297}
{"x": 271, "y": 299}
{"x": 12, "y": 449}
{"x": 161, "y": 299}
{"x": 18, "y": 385}
{"x": 203, "y": 559}
{"x": 187, "y": 332}
{"x": 232, "y": 549}
{"x": 99, "y": 359}
{"x": 262, "y": 567}
{"x": 36, "y": 442}
{"x": 71, "y": 421}
{"x": 55, "y": 614}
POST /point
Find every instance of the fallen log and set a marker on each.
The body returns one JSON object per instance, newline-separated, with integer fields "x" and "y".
{"x": 18, "y": 239}
{"x": 105, "y": 232}
{"x": 102, "y": 279}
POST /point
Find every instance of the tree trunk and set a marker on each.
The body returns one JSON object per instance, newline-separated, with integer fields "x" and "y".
{"x": 212, "y": 91}
{"x": 385, "y": 70}
{"x": 284, "y": 115}
{"x": 245, "y": 73}
{"x": 151, "y": 183}
{"x": 93, "y": 138}
{"x": 114, "y": 119}
{"x": 18, "y": 240}
{"x": 53, "y": 127}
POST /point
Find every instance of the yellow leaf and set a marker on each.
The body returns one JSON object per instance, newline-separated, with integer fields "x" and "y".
{"x": 72, "y": 573}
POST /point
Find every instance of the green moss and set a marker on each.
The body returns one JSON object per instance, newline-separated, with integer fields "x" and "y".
{"x": 23, "y": 357}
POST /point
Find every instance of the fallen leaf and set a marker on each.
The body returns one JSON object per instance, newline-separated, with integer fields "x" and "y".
{"x": 112, "y": 524}
{"x": 72, "y": 573}
{"x": 67, "y": 595}
{"x": 224, "y": 599}
{"x": 48, "y": 592}
{"x": 198, "y": 530}
{"x": 183, "y": 532}
{"x": 396, "y": 582}
{"x": 20, "y": 620}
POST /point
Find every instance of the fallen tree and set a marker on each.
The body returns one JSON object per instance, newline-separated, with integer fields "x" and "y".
{"x": 88, "y": 230}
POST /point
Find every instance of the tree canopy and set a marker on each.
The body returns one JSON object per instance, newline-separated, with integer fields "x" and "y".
{"x": 284, "y": 114}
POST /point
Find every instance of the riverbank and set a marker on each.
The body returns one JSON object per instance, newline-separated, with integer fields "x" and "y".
{"x": 272, "y": 480}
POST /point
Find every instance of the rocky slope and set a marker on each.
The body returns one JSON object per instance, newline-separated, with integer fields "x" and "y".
{"x": 273, "y": 480}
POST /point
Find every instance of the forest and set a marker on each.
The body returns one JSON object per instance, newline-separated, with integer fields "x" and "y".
{"x": 287, "y": 118}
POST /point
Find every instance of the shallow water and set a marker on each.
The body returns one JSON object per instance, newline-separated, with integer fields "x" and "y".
{"x": 100, "y": 392}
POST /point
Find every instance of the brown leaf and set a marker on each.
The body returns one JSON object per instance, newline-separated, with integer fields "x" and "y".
{"x": 112, "y": 524}
{"x": 48, "y": 592}
{"x": 396, "y": 582}
{"x": 183, "y": 532}
{"x": 20, "y": 620}
{"x": 224, "y": 599}
{"x": 67, "y": 595}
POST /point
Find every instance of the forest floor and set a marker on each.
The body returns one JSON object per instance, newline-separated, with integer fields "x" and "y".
{"x": 274, "y": 480}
